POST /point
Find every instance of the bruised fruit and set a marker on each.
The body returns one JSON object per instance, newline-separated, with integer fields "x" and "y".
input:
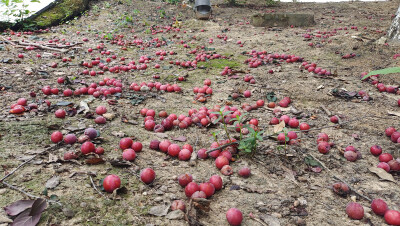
{"x": 185, "y": 179}
{"x": 199, "y": 195}
{"x": 227, "y": 170}
{"x": 70, "y": 155}
{"x": 350, "y": 156}
{"x": 244, "y": 172}
{"x": 147, "y": 175}
{"x": 341, "y": 189}
{"x": 70, "y": 139}
{"x": 154, "y": 144}
{"x": 324, "y": 147}
{"x": 234, "y": 217}
{"x": 92, "y": 133}
{"x": 355, "y": 211}
{"x": 376, "y": 150}
{"x": 178, "y": 205}
{"x": 111, "y": 182}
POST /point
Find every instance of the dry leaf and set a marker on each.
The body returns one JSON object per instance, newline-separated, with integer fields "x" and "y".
{"x": 394, "y": 113}
{"x": 382, "y": 173}
{"x": 94, "y": 161}
{"x": 279, "y": 127}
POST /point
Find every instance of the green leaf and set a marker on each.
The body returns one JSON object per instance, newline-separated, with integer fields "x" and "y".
{"x": 389, "y": 70}
{"x": 227, "y": 113}
{"x": 271, "y": 97}
{"x": 216, "y": 120}
{"x": 311, "y": 161}
{"x": 216, "y": 113}
{"x": 286, "y": 139}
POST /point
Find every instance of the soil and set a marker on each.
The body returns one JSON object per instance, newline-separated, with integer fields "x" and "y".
{"x": 282, "y": 189}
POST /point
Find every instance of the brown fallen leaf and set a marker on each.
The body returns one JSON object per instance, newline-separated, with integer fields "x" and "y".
{"x": 94, "y": 161}
{"x": 394, "y": 113}
{"x": 180, "y": 138}
{"x": 279, "y": 127}
{"x": 382, "y": 173}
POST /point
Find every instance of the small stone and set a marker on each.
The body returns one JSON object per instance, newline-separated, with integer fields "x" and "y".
{"x": 277, "y": 215}
{"x": 68, "y": 213}
{"x": 175, "y": 215}
{"x": 159, "y": 210}
{"x": 83, "y": 204}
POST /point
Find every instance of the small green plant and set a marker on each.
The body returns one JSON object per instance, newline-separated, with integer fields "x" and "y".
{"x": 174, "y": 2}
{"x": 107, "y": 5}
{"x": 221, "y": 115}
{"x": 249, "y": 144}
{"x": 162, "y": 14}
{"x": 384, "y": 71}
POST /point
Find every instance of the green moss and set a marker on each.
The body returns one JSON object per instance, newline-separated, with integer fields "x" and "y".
{"x": 219, "y": 64}
{"x": 63, "y": 11}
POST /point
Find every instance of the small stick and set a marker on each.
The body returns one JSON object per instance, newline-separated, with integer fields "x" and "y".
{"x": 336, "y": 177}
{"x": 27, "y": 194}
{"x": 95, "y": 188}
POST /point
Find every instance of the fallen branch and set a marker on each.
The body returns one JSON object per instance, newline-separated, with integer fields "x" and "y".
{"x": 338, "y": 178}
{"x": 42, "y": 47}
{"x": 95, "y": 188}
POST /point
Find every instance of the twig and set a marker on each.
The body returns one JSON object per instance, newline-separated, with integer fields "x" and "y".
{"x": 259, "y": 221}
{"x": 12, "y": 172}
{"x": 27, "y": 194}
{"x": 95, "y": 188}
{"x": 8, "y": 41}
{"x": 52, "y": 148}
{"x": 42, "y": 47}
{"x": 338, "y": 178}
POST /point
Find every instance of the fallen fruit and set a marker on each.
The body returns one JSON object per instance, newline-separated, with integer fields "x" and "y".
{"x": 60, "y": 113}
{"x": 341, "y": 189}
{"x": 207, "y": 188}
{"x": 216, "y": 180}
{"x": 244, "y": 172}
{"x": 191, "y": 188}
{"x": 234, "y": 217}
{"x": 56, "y": 137}
{"x": 185, "y": 179}
{"x": 147, "y": 175}
{"x": 376, "y": 150}
{"x": 87, "y": 147}
{"x": 355, "y": 211}
{"x": 221, "y": 161}
{"x": 178, "y": 205}
{"x": 385, "y": 157}
{"x": 129, "y": 154}
{"x": 111, "y": 182}
{"x": 125, "y": 143}
{"x": 392, "y": 217}
{"x": 379, "y": 206}
{"x": 70, "y": 138}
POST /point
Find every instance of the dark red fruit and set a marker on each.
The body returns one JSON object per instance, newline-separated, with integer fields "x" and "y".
{"x": 147, "y": 175}
{"x": 355, "y": 211}
{"x": 379, "y": 206}
{"x": 111, "y": 182}
{"x": 185, "y": 179}
{"x": 191, "y": 188}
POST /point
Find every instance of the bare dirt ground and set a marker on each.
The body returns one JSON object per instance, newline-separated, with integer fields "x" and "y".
{"x": 282, "y": 190}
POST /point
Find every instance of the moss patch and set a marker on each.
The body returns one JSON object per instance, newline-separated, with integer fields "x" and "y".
{"x": 219, "y": 64}
{"x": 62, "y": 11}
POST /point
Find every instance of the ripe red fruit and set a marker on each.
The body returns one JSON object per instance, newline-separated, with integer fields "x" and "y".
{"x": 385, "y": 157}
{"x": 67, "y": 92}
{"x": 234, "y": 217}
{"x": 143, "y": 111}
{"x": 207, "y": 188}
{"x": 188, "y": 146}
{"x": 149, "y": 125}
{"x": 247, "y": 93}
{"x": 271, "y": 105}
{"x": 379, "y": 206}
{"x": 376, "y": 150}
{"x": 87, "y": 147}
{"x": 392, "y": 217}
{"x": 185, "y": 179}
{"x": 129, "y": 154}
{"x": 184, "y": 155}
{"x": 304, "y": 126}
{"x": 221, "y": 161}
{"x": 56, "y": 137}
{"x": 389, "y": 131}
{"x": 147, "y": 175}
{"x": 60, "y": 113}
{"x": 395, "y": 136}
{"x": 284, "y": 103}
{"x": 260, "y": 103}
{"x": 60, "y": 80}
{"x": 244, "y": 172}
{"x": 281, "y": 138}
{"x": 151, "y": 113}
{"x": 125, "y": 143}
{"x": 384, "y": 166}
{"x": 293, "y": 123}
{"x": 99, "y": 150}
{"x": 100, "y": 120}
{"x": 322, "y": 137}
{"x": 191, "y": 188}
{"x": 22, "y": 101}
{"x": 137, "y": 146}
{"x": 216, "y": 180}
{"x": 285, "y": 118}
{"x": 173, "y": 150}
{"x": 334, "y": 119}
{"x": 164, "y": 145}
{"x": 274, "y": 121}
{"x": 201, "y": 154}
{"x": 324, "y": 147}
{"x": 100, "y": 110}
{"x": 70, "y": 139}
{"x": 111, "y": 182}
{"x": 178, "y": 205}
{"x": 355, "y": 211}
